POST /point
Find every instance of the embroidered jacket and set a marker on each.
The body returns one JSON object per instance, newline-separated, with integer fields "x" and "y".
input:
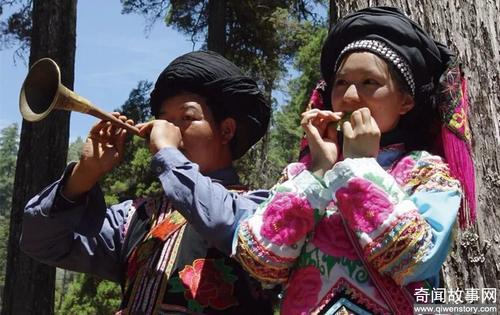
{"x": 164, "y": 263}
{"x": 362, "y": 239}
{"x": 172, "y": 268}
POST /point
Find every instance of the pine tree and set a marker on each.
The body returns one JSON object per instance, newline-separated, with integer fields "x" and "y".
{"x": 41, "y": 159}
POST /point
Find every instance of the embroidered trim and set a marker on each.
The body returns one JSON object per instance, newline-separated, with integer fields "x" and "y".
{"x": 397, "y": 298}
{"x": 258, "y": 251}
{"x": 357, "y": 295}
{"x": 379, "y": 243}
{"x": 145, "y": 287}
{"x": 168, "y": 265}
{"x": 167, "y": 226}
{"x": 259, "y": 270}
{"x": 382, "y": 50}
{"x": 151, "y": 263}
{"x": 391, "y": 259}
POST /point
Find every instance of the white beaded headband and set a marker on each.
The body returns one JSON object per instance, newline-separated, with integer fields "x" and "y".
{"x": 383, "y": 51}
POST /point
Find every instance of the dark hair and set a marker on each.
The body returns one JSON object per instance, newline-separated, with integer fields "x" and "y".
{"x": 420, "y": 125}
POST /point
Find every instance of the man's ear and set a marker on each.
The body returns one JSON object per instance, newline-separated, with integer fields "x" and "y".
{"x": 408, "y": 103}
{"x": 227, "y": 129}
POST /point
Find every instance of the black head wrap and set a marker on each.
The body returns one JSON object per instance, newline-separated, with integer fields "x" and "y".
{"x": 228, "y": 91}
{"x": 427, "y": 59}
{"x": 437, "y": 80}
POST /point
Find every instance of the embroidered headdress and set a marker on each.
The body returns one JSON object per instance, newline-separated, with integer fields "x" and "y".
{"x": 431, "y": 73}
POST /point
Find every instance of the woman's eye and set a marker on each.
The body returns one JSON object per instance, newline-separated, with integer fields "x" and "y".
{"x": 188, "y": 118}
{"x": 371, "y": 81}
{"x": 340, "y": 82}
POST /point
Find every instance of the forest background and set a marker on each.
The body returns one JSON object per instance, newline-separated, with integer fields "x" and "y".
{"x": 277, "y": 43}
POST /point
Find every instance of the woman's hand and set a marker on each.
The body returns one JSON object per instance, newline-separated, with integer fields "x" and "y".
{"x": 102, "y": 151}
{"x": 321, "y": 135}
{"x": 161, "y": 134}
{"x": 361, "y": 135}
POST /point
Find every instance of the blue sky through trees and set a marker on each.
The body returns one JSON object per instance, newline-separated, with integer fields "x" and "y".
{"x": 113, "y": 53}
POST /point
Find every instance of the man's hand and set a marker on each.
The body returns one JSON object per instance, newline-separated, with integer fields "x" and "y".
{"x": 321, "y": 135}
{"x": 161, "y": 134}
{"x": 102, "y": 151}
{"x": 361, "y": 135}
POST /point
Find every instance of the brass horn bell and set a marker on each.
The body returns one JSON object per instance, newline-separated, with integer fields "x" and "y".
{"x": 43, "y": 92}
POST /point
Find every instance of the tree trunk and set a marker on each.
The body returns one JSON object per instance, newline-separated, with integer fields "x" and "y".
{"x": 217, "y": 26}
{"x": 470, "y": 28}
{"x": 29, "y": 285}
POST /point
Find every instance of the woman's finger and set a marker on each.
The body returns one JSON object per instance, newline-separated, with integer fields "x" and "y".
{"x": 374, "y": 127}
{"x": 366, "y": 116}
{"x": 356, "y": 120}
{"x": 314, "y": 110}
{"x": 348, "y": 130}
{"x": 332, "y": 132}
{"x": 307, "y": 116}
{"x": 329, "y": 115}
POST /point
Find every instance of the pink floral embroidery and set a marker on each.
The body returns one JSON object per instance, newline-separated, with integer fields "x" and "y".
{"x": 331, "y": 238}
{"x": 402, "y": 169}
{"x": 363, "y": 204}
{"x": 294, "y": 169}
{"x": 287, "y": 219}
{"x": 302, "y": 292}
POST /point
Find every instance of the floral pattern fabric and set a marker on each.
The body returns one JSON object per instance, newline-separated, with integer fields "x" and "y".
{"x": 208, "y": 283}
{"x": 304, "y": 287}
{"x": 374, "y": 234}
{"x": 365, "y": 205}
{"x": 287, "y": 219}
{"x": 331, "y": 238}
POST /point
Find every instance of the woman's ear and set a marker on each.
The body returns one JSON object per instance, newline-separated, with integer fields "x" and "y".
{"x": 408, "y": 103}
{"x": 227, "y": 129}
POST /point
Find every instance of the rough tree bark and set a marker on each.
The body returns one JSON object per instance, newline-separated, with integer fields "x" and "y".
{"x": 471, "y": 28}
{"x": 216, "y": 26}
{"x": 29, "y": 285}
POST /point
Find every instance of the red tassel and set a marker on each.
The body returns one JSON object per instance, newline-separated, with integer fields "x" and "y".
{"x": 459, "y": 159}
{"x": 457, "y": 152}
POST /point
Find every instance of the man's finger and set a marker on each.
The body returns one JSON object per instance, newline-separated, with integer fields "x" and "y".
{"x": 145, "y": 128}
{"x": 120, "y": 142}
{"x": 96, "y": 128}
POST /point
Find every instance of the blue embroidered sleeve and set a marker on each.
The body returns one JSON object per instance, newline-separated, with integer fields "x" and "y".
{"x": 270, "y": 241}
{"x": 403, "y": 220}
{"x": 83, "y": 236}
{"x": 214, "y": 211}
{"x": 439, "y": 210}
